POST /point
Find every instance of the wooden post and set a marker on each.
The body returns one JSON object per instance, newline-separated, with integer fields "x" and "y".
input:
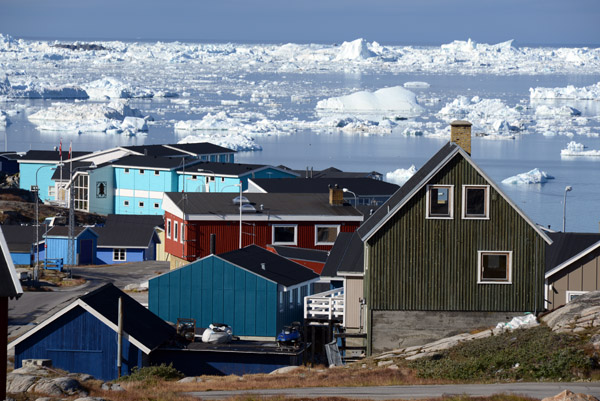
{"x": 120, "y": 336}
{"x": 3, "y": 344}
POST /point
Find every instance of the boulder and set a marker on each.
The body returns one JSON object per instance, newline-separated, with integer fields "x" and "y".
{"x": 285, "y": 369}
{"x": 585, "y": 307}
{"x": 190, "y": 379}
{"x": 46, "y": 386}
{"x": 570, "y": 396}
{"x": 16, "y": 383}
{"x": 68, "y": 385}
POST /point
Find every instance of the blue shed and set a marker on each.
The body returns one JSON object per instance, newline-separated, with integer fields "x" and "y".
{"x": 21, "y": 243}
{"x": 83, "y": 336}
{"x": 86, "y": 242}
{"x": 254, "y": 291}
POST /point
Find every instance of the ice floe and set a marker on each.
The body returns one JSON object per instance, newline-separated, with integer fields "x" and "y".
{"x": 112, "y": 88}
{"x": 545, "y": 111}
{"x": 535, "y": 176}
{"x": 571, "y": 92}
{"x": 393, "y": 102}
{"x": 115, "y": 117}
{"x": 401, "y": 175}
{"x": 236, "y": 142}
{"x": 416, "y": 85}
{"x": 578, "y": 149}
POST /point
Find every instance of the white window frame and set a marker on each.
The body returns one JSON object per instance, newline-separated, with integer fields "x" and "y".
{"x": 569, "y": 293}
{"x": 125, "y": 203}
{"x": 194, "y": 177}
{"x": 141, "y": 204}
{"x": 169, "y": 228}
{"x": 295, "y": 226}
{"x": 486, "y": 206}
{"x": 182, "y": 232}
{"x": 450, "y": 202}
{"x": 51, "y": 191}
{"x": 142, "y": 172}
{"x": 120, "y": 253}
{"x": 481, "y": 280}
{"x": 317, "y": 226}
{"x": 156, "y": 205}
{"x": 125, "y": 171}
{"x": 156, "y": 172}
{"x": 175, "y": 230}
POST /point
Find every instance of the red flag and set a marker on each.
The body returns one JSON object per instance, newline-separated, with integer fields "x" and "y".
{"x": 60, "y": 149}
{"x": 70, "y": 146}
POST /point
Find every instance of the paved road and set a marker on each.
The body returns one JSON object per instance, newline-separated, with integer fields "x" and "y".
{"x": 34, "y": 307}
{"x": 535, "y": 390}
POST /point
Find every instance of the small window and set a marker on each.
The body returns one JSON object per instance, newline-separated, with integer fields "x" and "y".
{"x": 175, "y": 231}
{"x": 284, "y": 234}
{"x": 211, "y": 178}
{"x": 222, "y": 179}
{"x": 475, "y": 202}
{"x": 439, "y": 201}
{"x": 326, "y": 234}
{"x": 168, "y": 228}
{"x": 194, "y": 177}
{"x": 571, "y": 295}
{"x": 495, "y": 267}
{"x": 125, "y": 203}
{"x": 141, "y": 172}
{"x": 119, "y": 254}
{"x": 52, "y": 191}
{"x": 156, "y": 205}
{"x": 126, "y": 171}
{"x": 141, "y": 204}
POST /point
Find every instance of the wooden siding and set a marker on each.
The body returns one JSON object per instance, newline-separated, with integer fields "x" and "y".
{"x": 416, "y": 263}
{"x": 582, "y": 275}
{"x": 212, "y": 290}
{"x": 197, "y": 236}
{"x": 78, "y": 342}
{"x": 353, "y": 290}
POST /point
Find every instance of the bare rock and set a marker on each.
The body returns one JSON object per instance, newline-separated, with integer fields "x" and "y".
{"x": 393, "y": 367}
{"x": 16, "y": 383}
{"x": 384, "y": 363}
{"x": 285, "y": 369}
{"x": 31, "y": 370}
{"x": 570, "y": 396}
{"x": 190, "y": 379}
{"x": 68, "y": 385}
{"x": 46, "y": 386}
{"x": 90, "y": 399}
{"x": 586, "y": 306}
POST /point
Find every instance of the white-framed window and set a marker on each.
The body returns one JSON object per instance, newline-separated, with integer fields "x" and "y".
{"x": 141, "y": 204}
{"x": 176, "y": 231}
{"x": 81, "y": 191}
{"x": 194, "y": 177}
{"x": 571, "y": 295}
{"x": 52, "y": 191}
{"x": 181, "y": 237}
{"x": 325, "y": 234}
{"x": 126, "y": 171}
{"x": 284, "y": 234}
{"x": 126, "y": 203}
{"x": 494, "y": 267}
{"x": 119, "y": 254}
{"x": 476, "y": 202}
{"x": 142, "y": 171}
{"x": 168, "y": 228}
{"x": 156, "y": 205}
{"x": 222, "y": 179}
{"x": 156, "y": 172}
{"x": 440, "y": 201}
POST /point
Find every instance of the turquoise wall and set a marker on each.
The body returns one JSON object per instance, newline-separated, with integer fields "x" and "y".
{"x": 225, "y": 184}
{"x": 44, "y": 177}
{"x": 158, "y": 181}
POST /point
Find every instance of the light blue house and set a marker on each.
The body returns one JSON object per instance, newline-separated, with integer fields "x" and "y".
{"x": 86, "y": 242}
{"x": 224, "y": 177}
{"x": 21, "y": 242}
{"x": 253, "y": 290}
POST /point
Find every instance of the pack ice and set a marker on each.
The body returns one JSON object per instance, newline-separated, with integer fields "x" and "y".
{"x": 535, "y": 176}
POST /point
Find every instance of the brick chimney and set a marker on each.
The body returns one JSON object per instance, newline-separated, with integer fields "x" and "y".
{"x": 336, "y": 195}
{"x": 460, "y": 134}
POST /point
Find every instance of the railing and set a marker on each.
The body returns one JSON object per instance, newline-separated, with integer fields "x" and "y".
{"x": 325, "y": 305}
{"x": 53, "y": 264}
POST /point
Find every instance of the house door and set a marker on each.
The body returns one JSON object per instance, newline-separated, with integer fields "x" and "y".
{"x": 86, "y": 254}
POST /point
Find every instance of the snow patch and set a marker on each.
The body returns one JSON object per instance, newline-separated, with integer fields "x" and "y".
{"x": 535, "y": 176}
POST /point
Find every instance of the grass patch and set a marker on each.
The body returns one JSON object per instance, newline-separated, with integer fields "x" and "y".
{"x": 153, "y": 374}
{"x": 526, "y": 354}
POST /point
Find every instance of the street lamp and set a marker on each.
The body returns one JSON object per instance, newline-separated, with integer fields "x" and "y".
{"x": 202, "y": 170}
{"x": 240, "y": 206}
{"x": 35, "y": 188}
{"x": 355, "y": 198}
{"x": 568, "y": 188}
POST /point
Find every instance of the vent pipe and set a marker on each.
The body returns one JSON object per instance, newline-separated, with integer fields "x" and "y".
{"x": 213, "y": 243}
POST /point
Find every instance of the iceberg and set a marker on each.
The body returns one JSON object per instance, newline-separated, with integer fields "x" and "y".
{"x": 400, "y": 176}
{"x": 563, "y": 111}
{"x": 112, "y": 88}
{"x": 236, "y": 142}
{"x": 578, "y": 149}
{"x": 397, "y": 101}
{"x": 570, "y": 92}
{"x": 535, "y": 176}
{"x": 416, "y": 84}
{"x": 3, "y": 119}
{"x": 355, "y": 50}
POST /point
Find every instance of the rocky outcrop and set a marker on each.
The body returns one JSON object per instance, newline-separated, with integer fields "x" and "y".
{"x": 40, "y": 380}
{"x": 570, "y": 396}
{"x": 578, "y": 315}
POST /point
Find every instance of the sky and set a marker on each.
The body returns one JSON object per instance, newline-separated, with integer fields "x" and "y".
{"x": 419, "y": 22}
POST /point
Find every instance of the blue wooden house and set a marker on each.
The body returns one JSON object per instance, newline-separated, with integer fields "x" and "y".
{"x": 128, "y": 238}
{"x": 253, "y": 290}
{"x": 86, "y": 242}
{"x": 21, "y": 242}
{"x": 83, "y": 336}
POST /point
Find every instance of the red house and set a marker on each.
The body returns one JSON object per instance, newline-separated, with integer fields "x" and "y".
{"x": 303, "y": 220}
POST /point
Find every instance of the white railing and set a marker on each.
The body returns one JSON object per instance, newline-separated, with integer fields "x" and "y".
{"x": 325, "y": 305}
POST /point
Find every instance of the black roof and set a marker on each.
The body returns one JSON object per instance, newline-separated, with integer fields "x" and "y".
{"x": 567, "y": 245}
{"x": 224, "y": 168}
{"x": 66, "y": 169}
{"x": 21, "y": 238}
{"x": 135, "y": 219}
{"x": 63, "y": 231}
{"x": 9, "y": 282}
{"x": 138, "y": 321}
{"x": 333, "y": 172}
{"x": 124, "y": 235}
{"x": 359, "y": 185}
{"x": 50, "y": 155}
{"x": 277, "y": 268}
{"x": 178, "y": 149}
{"x": 407, "y": 188}
{"x": 221, "y": 204}
{"x": 292, "y": 252}
{"x": 345, "y": 256}
{"x": 154, "y": 161}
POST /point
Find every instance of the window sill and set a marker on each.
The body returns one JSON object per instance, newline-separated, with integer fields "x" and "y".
{"x": 495, "y": 282}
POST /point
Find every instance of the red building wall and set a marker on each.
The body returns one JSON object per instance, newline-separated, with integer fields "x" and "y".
{"x": 198, "y": 233}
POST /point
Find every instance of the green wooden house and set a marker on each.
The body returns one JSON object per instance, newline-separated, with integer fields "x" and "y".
{"x": 447, "y": 253}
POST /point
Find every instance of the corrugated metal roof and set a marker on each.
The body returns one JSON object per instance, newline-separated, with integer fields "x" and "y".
{"x": 566, "y": 246}
{"x": 224, "y": 168}
{"x": 360, "y": 185}
{"x": 292, "y": 252}
{"x": 21, "y": 238}
{"x": 277, "y": 268}
{"x": 345, "y": 256}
